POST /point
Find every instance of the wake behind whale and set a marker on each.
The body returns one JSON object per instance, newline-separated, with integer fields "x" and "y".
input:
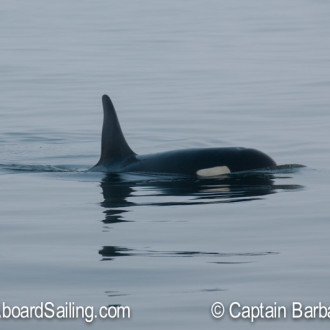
{"x": 118, "y": 157}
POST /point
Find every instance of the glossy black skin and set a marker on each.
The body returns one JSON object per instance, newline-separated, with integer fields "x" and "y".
{"x": 189, "y": 161}
{"x": 117, "y": 156}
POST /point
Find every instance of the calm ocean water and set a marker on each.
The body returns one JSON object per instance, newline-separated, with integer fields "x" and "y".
{"x": 181, "y": 74}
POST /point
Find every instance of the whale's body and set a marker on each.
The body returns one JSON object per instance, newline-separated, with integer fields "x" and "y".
{"x": 118, "y": 157}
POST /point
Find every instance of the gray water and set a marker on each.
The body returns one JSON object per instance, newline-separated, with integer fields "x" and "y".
{"x": 181, "y": 74}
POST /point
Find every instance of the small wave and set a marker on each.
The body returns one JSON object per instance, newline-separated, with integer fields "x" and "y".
{"x": 289, "y": 166}
{"x": 286, "y": 168}
{"x": 36, "y": 168}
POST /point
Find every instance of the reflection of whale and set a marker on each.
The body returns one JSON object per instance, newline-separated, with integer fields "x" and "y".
{"x": 111, "y": 252}
{"x": 117, "y": 156}
{"x": 115, "y": 193}
{"x": 119, "y": 192}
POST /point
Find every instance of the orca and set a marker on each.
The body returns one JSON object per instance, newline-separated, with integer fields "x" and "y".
{"x": 118, "y": 157}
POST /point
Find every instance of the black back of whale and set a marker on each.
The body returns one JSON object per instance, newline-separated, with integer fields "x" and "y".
{"x": 117, "y": 156}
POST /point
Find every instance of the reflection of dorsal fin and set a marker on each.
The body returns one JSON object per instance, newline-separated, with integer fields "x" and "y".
{"x": 114, "y": 147}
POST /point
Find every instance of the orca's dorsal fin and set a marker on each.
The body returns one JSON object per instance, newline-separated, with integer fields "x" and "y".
{"x": 114, "y": 147}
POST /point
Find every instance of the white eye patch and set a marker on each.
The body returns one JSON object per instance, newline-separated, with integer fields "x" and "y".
{"x": 213, "y": 171}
